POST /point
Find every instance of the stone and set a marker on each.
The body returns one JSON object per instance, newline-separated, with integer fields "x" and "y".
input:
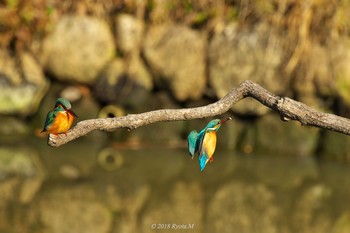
{"x": 139, "y": 73}
{"x": 24, "y": 163}
{"x": 314, "y": 76}
{"x": 9, "y": 68}
{"x": 160, "y": 11}
{"x": 176, "y": 56}
{"x": 283, "y": 172}
{"x": 342, "y": 224}
{"x": 107, "y": 88}
{"x": 307, "y": 216}
{"x": 13, "y": 129}
{"x": 334, "y": 146}
{"x": 126, "y": 80}
{"x": 284, "y": 138}
{"x": 22, "y": 86}
{"x": 176, "y": 211}
{"x": 120, "y": 85}
{"x": 16, "y": 161}
{"x": 8, "y": 192}
{"x": 69, "y": 171}
{"x": 74, "y": 209}
{"x": 29, "y": 188}
{"x": 72, "y": 93}
{"x": 132, "y": 203}
{"x": 129, "y": 32}
{"x": 236, "y": 55}
{"x": 342, "y": 70}
{"x": 78, "y": 48}
{"x": 113, "y": 198}
{"x": 241, "y": 207}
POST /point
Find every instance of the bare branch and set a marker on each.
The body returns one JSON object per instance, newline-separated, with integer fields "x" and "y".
{"x": 288, "y": 109}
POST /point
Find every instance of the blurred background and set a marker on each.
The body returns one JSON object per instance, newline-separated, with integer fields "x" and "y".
{"x": 116, "y": 57}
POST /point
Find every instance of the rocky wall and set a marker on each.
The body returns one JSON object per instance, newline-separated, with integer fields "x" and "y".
{"x": 143, "y": 61}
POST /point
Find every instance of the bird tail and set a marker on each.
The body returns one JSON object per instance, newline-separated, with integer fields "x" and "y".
{"x": 203, "y": 160}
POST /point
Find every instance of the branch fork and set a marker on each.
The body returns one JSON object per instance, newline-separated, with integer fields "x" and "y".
{"x": 288, "y": 109}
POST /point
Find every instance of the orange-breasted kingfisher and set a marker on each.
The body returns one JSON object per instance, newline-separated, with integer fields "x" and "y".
{"x": 204, "y": 142}
{"x": 60, "y": 119}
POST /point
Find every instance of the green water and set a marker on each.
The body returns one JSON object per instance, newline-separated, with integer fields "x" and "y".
{"x": 90, "y": 186}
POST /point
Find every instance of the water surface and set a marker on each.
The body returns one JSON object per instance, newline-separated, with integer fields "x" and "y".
{"x": 89, "y": 186}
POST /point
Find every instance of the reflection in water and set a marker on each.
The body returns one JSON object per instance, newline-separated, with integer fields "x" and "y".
{"x": 81, "y": 187}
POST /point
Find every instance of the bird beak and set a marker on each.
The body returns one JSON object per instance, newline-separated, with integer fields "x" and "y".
{"x": 224, "y": 120}
{"x": 71, "y": 111}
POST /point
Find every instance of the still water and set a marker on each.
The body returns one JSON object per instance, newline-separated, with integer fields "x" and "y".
{"x": 86, "y": 187}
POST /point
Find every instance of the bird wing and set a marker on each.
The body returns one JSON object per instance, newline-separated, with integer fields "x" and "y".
{"x": 50, "y": 117}
{"x": 207, "y": 148}
{"x": 192, "y": 142}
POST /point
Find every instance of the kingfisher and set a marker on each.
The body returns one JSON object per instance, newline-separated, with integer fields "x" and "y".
{"x": 204, "y": 142}
{"x": 60, "y": 119}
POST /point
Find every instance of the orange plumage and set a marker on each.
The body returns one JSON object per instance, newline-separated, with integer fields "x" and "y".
{"x": 62, "y": 122}
{"x": 60, "y": 119}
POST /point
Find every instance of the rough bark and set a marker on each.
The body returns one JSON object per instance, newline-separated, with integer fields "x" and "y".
{"x": 288, "y": 109}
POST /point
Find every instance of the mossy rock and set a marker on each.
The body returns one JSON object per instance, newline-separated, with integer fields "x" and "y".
{"x": 285, "y": 138}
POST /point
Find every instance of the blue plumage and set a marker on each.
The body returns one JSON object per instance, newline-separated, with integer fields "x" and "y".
{"x": 204, "y": 142}
{"x": 203, "y": 159}
{"x": 192, "y": 143}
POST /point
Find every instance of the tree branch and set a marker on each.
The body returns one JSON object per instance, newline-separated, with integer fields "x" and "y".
{"x": 288, "y": 109}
